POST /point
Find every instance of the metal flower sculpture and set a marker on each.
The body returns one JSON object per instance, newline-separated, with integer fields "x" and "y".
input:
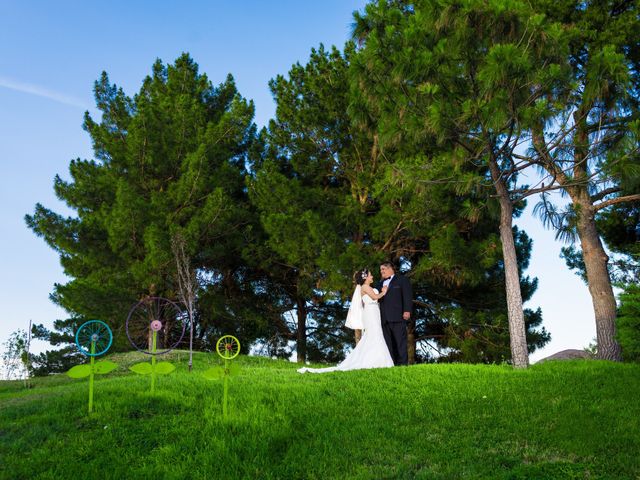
{"x": 228, "y": 348}
{"x": 93, "y": 338}
{"x": 155, "y": 326}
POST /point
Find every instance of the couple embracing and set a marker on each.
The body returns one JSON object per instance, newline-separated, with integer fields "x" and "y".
{"x": 382, "y": 314}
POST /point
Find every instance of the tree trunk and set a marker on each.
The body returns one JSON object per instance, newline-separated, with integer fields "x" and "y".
{"x": 301, "y": 340}
{"x": 595, "y": 261}
{"x": 358, "y": 335}
{"x": 593, "y": 254}
{"x": 411, "y": 342}
{"x": 190, "y": 311}
{"x": 517, "y": 331}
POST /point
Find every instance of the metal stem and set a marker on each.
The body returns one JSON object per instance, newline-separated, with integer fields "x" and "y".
{"x": 190, "y": 308}
{"x": 153, "y": 361}
{"x": 93, "y": 351}
{"x": 226, "y": 389}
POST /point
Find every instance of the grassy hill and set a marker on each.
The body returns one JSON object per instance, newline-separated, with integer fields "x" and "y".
{"x": 556, "y": 420}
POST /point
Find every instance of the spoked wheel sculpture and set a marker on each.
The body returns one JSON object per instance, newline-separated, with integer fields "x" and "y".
{"x": 155, "y": 326}
{"x": 93, "y": 339}
{"x": 228, "y": 348}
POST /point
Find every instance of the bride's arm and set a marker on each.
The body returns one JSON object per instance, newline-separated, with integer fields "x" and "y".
{"x": 371, "y": 292}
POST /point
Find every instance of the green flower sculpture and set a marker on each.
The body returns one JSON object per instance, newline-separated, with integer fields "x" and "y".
{"x": 227, "y": 347}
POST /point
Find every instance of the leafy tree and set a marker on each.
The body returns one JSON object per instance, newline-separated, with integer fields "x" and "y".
{"x": 168, "y": 161}
{"x": 14, "y": 357}
{"x": 619, "y": 226}
{"x": 620, "y": 229}
{"x": 457, "y": 266}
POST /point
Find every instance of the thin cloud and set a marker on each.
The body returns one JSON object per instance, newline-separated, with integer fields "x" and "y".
{"x": 42, "y": 92}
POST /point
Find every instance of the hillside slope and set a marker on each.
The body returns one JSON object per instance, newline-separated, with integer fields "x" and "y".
{"x": 578, "y": 419}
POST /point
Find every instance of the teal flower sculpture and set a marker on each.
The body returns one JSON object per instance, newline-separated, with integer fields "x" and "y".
{"x": 93, "y": 339}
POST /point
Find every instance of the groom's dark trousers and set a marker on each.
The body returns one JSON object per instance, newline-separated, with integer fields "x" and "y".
{"x": 398, "y": 299}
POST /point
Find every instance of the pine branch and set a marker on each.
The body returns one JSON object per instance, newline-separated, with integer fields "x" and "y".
{"x": 613, "y": 201}
{"x": 604, "y": 193}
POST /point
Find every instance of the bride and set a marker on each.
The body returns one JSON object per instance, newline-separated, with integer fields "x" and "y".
{"x": 364, "y": 313}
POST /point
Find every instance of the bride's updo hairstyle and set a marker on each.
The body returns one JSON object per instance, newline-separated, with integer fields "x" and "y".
{"x": 360, "y": 276}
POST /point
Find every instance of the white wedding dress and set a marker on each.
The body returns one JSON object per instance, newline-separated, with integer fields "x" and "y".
{"x": 371, "y": 351}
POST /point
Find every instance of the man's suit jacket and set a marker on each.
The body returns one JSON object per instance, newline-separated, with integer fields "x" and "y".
{"x": 398, "y": 299}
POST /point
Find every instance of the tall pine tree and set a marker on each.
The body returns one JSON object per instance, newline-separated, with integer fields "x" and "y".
{"x": 590, "y": 148}
{"x": 470, "y": 75}
{"x": 170, "y": 160}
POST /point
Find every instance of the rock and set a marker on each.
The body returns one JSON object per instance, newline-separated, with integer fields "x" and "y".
{"x": 570, "y": 354}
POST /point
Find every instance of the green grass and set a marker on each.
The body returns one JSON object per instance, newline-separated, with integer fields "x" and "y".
{"x": 555, "y": 420}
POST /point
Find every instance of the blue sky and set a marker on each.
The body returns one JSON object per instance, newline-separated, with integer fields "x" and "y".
{"x": 52, "y": 52}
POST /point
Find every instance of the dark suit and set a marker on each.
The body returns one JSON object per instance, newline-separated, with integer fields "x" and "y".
{"x": 398, "y": 299}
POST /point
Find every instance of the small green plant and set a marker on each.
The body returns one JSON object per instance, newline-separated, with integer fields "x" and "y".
{"x": 14, "y": 358}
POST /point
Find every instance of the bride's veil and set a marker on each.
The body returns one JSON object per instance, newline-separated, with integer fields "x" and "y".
{"x": 354, "y": 316}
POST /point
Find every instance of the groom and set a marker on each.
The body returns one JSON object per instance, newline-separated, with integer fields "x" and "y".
{"x": 395, "y": 312}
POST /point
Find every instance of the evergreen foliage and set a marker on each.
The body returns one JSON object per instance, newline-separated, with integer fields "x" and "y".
{"x": 307, "y": 206}
{"x": 465, "y": 77}
{"x": 331, "y": 200}
{"x": 629, "y": 323}
{"x": 168, "y": 161}
{"x": 274, "y": 225}
{"x": 590, "y": 147}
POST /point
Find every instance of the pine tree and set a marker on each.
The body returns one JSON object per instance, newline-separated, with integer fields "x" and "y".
{"x": 332, "y": 200}
{"x": 469, "y": 75}
{"x": 590, "y": 147}
{"x": 170, "y": 160}
{"x": 310, "y": 191}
